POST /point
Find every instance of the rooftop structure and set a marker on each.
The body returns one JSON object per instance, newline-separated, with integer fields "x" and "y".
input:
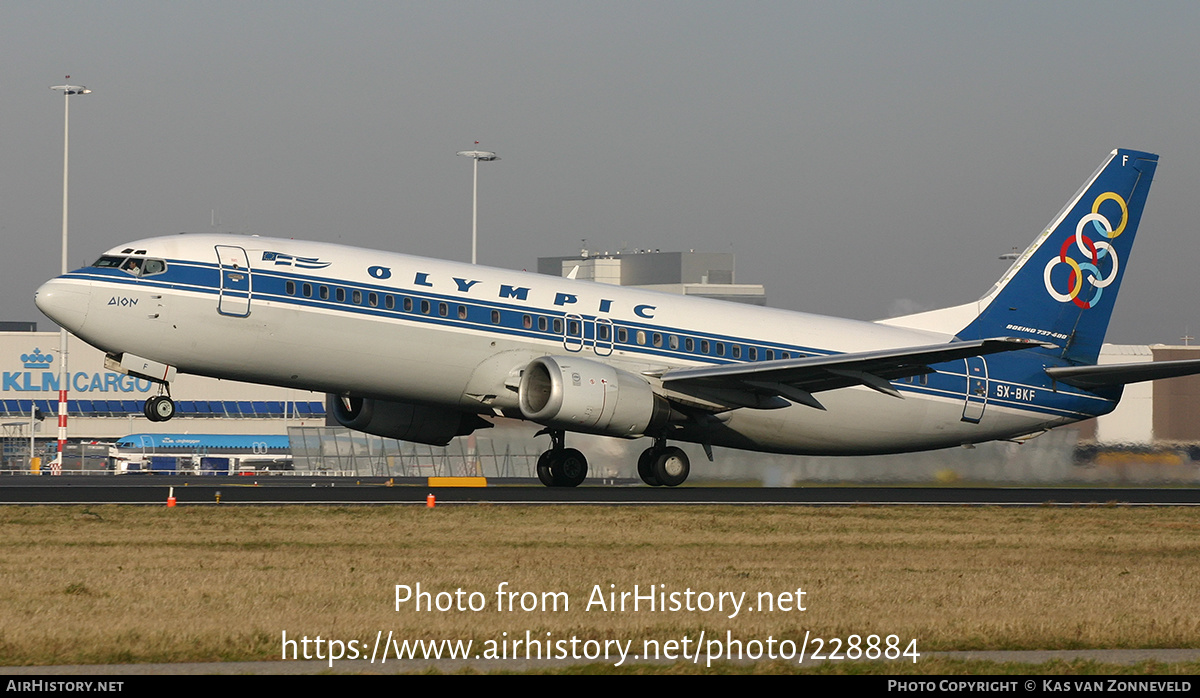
{"x": 705, "y": 274}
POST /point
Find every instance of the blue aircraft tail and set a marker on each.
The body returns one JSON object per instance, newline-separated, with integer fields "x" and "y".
{"x": 1061, "y": 290}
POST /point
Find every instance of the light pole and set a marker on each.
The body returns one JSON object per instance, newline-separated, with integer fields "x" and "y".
{"x": 68, "y": 91}
{"x": 476, "y": 155}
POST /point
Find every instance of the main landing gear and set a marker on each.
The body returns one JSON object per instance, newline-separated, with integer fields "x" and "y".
{"x": 560, "y": 467}
{"x": 663, "y": 465}
{"x": 566, "y": 467}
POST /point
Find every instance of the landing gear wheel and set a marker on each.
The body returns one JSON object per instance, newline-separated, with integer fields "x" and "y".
{"x": 159, "y": 408}
{"x": 646, "y": 466}
{"x": 164, "y": 408}
{"x": 569, "y": 468}
{"x": 671, "y": 467}
{"x": 543, "y": 468}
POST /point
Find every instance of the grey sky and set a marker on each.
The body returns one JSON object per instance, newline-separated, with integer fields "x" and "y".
{"x": 858, "y": 157}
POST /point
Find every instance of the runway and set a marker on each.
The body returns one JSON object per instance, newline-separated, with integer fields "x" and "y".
{"x": 153, "y": 490}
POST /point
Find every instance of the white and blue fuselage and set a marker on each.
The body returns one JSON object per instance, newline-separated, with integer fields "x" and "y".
{"x": 458, "y": 339}
{"x": 393, "y": 327}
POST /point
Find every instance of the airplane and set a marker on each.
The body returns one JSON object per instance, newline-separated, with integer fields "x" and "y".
{"x": 425, "y": 350}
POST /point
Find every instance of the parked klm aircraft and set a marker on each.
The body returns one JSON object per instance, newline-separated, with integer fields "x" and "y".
{"x": 425, "y": 350}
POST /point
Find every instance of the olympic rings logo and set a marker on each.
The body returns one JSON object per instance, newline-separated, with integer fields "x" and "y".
{"x": 1093, "y": 251}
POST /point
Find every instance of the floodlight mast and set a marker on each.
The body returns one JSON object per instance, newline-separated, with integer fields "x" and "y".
{"x": 68, "y": 91}
{"x": 476, "y": 155}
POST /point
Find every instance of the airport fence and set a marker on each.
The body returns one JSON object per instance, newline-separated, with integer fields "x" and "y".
{"x": 322, "y": 450}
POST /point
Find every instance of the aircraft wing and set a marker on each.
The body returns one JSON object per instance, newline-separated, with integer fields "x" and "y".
{"x": 1087, "y": 377}
{"x": 773, "y": 384}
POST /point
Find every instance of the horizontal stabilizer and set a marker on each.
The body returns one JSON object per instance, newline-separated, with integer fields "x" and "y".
{"x": 1087, "y": 377}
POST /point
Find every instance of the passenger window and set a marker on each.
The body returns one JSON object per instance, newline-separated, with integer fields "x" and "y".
{"x": 689, "y": 345}
{"x": 373, "y": 300}
{"x": 389, "y": 302}
{"x": 656, "y": 338}
{"x": 443, "y": 310}
{"x": 306, "y": 289}
{"x": 573, "y": 328}
{"x": 720, "y": 349}
{"x": 495, "y": 317}
{"x": 752, "y": 353}
{"x": 737, "y": 351}
{"x": 602, "y": 332}
{"x": 641, "y": 337}
{"x": 407, "y": 305}
{"x": 542, "y": 324}
{"x": 341, "y": 295}
{"x": 425, "y": 307}
{"x": 673, "y": 341}
{"x": 558, "y": 325}
{"x": 356, "y": 297}
{"x": 622, "y": 335}
{"x": 527, "y": 322}
{"x": 290, "y": 288}
{"x": 324, "y": 292}
{"x": 462, "y": 312}
{"x": 704, "y": 346}
{"x": 770, "y": 355}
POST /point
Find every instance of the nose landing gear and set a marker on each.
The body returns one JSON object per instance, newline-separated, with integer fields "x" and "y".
{"x": 159, "y": 408}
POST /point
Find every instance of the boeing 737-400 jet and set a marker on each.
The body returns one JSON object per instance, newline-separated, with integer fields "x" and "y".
{"x": 426, "y": 350}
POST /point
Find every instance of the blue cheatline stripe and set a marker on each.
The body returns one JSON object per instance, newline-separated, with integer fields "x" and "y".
{"x": 269, "y": 286}
{"x": 478, "y": 311}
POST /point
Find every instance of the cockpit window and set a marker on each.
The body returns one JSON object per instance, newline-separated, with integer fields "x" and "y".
{"x": 138, "y": 266}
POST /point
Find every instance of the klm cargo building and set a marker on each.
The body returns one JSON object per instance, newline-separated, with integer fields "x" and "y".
{"x": 104, "y": 405}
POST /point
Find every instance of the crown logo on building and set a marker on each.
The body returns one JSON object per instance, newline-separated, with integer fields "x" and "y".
{"x": 37, "y": 359}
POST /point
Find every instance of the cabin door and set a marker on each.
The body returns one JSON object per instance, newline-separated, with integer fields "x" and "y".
{"x": 234, "y": 295}
{"x": 977, "y": 389}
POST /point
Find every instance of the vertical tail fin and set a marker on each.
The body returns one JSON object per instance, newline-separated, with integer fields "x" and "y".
{"x": 1062, "y": 288}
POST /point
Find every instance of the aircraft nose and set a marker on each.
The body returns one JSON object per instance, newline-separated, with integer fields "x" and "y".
{"x": 64, "y": 303}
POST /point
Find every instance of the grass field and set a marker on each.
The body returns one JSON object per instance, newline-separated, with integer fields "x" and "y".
{"x": 146, "y": 584}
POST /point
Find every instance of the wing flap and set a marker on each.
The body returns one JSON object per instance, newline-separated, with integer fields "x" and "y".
{"x": 797, "y": 379}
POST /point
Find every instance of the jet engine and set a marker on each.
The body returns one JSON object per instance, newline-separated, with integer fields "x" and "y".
{"x": 405, "y": 421}
{"x": 581, "y": 395}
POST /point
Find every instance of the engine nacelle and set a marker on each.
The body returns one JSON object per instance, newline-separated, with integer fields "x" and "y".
{"x": 404, "y": 421}
{"x": 582, "y": 395}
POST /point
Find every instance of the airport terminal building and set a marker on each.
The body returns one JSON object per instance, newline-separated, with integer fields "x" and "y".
{"x": 104, "y": 405}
